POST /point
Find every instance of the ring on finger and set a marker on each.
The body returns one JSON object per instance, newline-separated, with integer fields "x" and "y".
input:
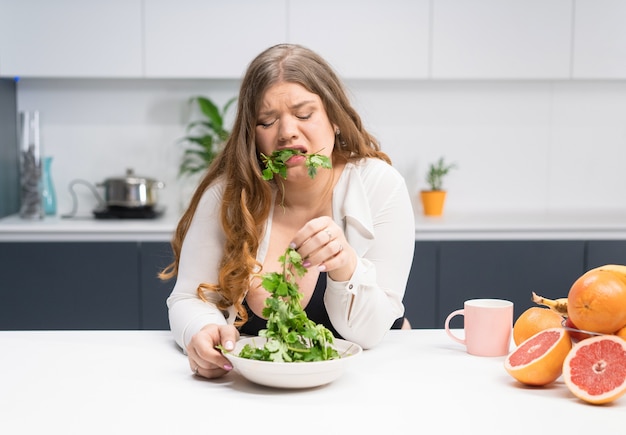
{"x": 330, "y": 235}
{"x": 195, "y": 371}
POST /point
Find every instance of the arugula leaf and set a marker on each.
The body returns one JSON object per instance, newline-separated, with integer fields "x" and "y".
{"x": 276, "y": 163}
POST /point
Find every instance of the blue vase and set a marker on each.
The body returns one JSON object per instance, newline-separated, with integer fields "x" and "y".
{"x": 48, "y": 193}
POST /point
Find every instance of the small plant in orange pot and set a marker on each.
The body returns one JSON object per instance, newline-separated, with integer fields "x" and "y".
{"x": 434, "y": 199}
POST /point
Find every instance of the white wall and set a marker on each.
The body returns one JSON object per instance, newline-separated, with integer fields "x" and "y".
{"x": 519, "y": 145}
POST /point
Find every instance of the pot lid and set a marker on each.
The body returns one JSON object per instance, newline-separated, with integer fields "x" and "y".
{"x": 133, "y": 179}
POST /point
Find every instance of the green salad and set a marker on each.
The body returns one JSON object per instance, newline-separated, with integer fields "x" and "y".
{"x": 291, "y": 335}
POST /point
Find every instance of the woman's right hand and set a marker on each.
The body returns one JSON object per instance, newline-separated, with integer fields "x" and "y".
{"x": 204, "y": 358}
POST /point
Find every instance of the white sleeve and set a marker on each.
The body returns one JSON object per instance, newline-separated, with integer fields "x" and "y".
{"x": 363, "y": 309}
{"x": 199, "y": 263}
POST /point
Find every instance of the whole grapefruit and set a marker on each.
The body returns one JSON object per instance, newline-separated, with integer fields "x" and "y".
{"x": 533, "y": 320}
{"x": 539, "y": 360}
{"x": 594, "y": 370}
{"x": 596, "y": 301}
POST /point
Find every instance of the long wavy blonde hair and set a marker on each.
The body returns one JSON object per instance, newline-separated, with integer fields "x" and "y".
{"x": 247, "y": 197}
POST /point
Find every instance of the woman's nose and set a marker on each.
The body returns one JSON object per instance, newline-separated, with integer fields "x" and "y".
{"x": 287, "y": 129}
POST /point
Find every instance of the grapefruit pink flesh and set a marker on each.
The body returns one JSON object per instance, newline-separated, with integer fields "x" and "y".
{"x": 539, "y": 359}
{"x": 595, "y": 369}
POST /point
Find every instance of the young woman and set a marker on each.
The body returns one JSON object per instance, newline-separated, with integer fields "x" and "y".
{"x": 352, "y": 224}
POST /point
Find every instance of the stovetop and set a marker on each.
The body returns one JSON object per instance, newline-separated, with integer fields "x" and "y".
{"x": 117, "y": 212}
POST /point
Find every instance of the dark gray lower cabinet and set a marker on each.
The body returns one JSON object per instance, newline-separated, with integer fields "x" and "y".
{"x": 505, "y": 270}
{"x": 83, "y": 285}
{"x": 65, "y": 285}
{"x": 446, "y": 273}
{"x": 601, "y": 252}
{"x": 155, "y": 256}
{"x": 114, "y": 285}
{"x": 420, "y": 297}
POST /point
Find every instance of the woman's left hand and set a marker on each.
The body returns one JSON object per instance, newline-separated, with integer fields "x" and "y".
{"x": 322, "y": 243}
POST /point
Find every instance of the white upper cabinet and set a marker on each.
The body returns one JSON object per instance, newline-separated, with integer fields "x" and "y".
{"x": 600, "y": 39}
{"x": 70, "y": 38}
{"x": 362, "y": 39}
{"x": 209, "y": 38}
{"x": 365, "y": 38}
{"x": 501, "y": 39}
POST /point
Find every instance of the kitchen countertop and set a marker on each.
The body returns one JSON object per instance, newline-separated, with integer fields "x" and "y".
{"x": 452, "y": 226}
{"x": 55, "y": 229}
{"x": 139, "y": 382}
{"x": 561, "y": 225}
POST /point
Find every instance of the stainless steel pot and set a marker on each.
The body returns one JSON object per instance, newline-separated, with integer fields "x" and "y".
{"x": 131, "y": 191}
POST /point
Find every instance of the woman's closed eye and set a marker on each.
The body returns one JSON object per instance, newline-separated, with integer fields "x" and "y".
{"x": 266, "y": 124}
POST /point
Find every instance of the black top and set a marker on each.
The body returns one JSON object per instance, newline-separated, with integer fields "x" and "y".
{"x": 315, "y": 311}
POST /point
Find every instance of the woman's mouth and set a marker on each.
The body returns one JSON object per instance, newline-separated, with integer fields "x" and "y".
{"x": 295, "y": 160}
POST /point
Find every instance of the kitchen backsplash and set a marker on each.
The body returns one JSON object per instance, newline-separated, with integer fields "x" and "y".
{"x": 519, "y": 145}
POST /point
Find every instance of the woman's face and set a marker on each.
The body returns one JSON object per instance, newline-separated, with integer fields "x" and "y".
{"x": 292, "y": 117}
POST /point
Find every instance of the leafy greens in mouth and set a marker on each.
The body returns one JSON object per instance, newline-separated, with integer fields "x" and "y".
{"x": 276, "y": 163}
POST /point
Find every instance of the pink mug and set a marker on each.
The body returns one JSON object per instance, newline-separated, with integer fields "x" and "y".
{"x": 488, "y": 324}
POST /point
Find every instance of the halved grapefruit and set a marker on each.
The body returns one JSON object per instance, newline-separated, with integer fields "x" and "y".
{"x": 595, "y": 369}
{"x": 539, "y": 360}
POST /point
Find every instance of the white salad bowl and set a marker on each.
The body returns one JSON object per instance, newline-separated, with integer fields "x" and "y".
{"x": 292, "y": 374}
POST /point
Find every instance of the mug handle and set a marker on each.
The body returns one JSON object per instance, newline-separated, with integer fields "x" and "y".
{"x": 460, "y": 312}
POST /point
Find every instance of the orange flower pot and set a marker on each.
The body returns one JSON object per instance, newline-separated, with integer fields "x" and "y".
{"x": 433, "y": 202}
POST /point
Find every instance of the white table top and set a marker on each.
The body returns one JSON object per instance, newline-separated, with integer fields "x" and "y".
{"x": 139, "y": 382}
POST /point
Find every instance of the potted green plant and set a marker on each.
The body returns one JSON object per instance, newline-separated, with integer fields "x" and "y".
{"x": 433, "y": 199}
{"x": 205, "y": 136}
